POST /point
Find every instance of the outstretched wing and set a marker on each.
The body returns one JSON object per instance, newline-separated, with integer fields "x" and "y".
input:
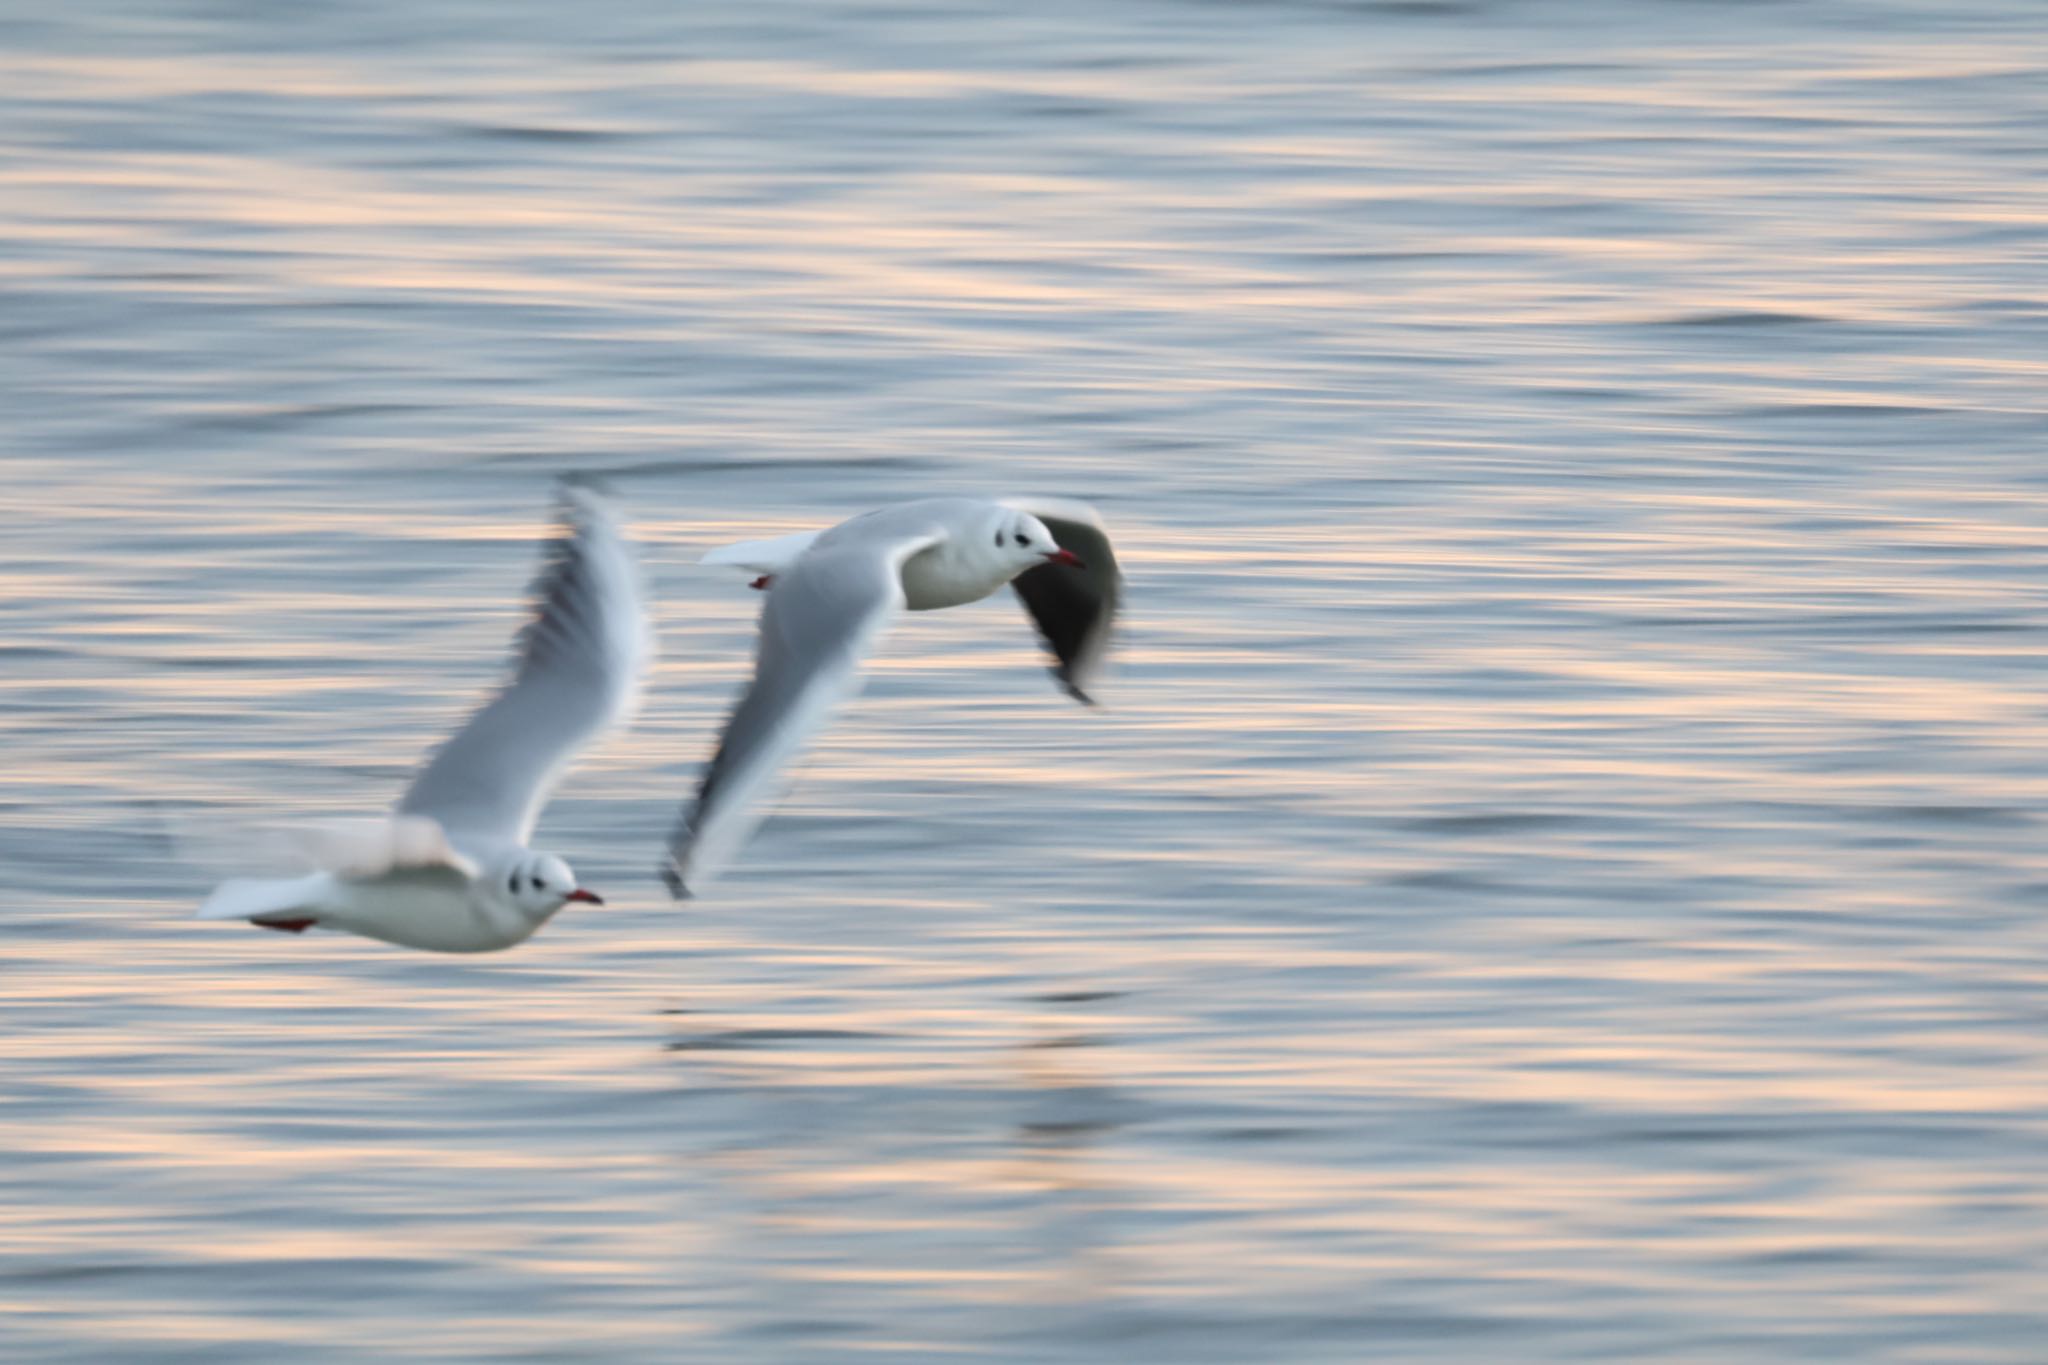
{"x": 822, "y": 616}
{"x": 580, "y": 660}
{"x": 1074, "y": 609}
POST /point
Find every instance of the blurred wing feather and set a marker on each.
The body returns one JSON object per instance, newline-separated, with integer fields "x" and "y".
{"x": 821, "y": 618}
{"x": 363, "y": 850}
{"x": 580, "y": 661}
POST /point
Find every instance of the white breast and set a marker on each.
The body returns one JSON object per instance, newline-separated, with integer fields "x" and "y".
{"x": 941, "y": 577}
{"x": 444, "y": 920}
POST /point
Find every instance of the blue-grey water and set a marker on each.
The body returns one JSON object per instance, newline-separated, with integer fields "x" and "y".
{"x": 1559, "y": 874}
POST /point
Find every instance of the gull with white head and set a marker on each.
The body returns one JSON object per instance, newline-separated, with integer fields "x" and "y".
{"x": 450, "y": 869}
{"x": 831, "y": 594}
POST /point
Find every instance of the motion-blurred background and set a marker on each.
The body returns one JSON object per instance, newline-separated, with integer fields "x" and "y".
{"x": 1559, "y": 876}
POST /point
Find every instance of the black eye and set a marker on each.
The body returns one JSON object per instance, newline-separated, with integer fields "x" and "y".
{"x": 999, "y": 538}
{"x": 534, "y": 883}
{"x": 512, "y": 882}
{"x": 1023, "y": 539}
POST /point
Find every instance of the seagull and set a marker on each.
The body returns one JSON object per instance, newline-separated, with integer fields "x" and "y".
{"x": 449, "y": 869}
{"x": 830, "y": 595}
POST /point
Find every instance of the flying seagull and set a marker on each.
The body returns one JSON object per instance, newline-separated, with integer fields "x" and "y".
{"x": 830, "y": 595}
{"x": 449, "y": 870}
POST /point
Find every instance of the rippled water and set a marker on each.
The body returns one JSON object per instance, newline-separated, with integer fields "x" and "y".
{"x": 1560, "y": 874}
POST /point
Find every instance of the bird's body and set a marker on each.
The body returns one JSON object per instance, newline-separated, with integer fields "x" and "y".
{"x": 441, "y": 909}
{"x": 450, "y": 870}
{"x": 945, "y": 570}
{"x": 830, "y": 595}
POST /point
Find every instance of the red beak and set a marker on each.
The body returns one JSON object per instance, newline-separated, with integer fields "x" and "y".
{"x": 1066, "y": 557}
{"x": 587, "y": 897}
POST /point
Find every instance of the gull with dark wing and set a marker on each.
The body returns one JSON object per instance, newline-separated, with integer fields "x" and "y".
{"x": 831, "y": 594}
{"x": 450, "y": 869}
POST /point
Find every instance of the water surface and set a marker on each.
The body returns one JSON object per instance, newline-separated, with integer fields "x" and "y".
{"x": 1558, "y": 876}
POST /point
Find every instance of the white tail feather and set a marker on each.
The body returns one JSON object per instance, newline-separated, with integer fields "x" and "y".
{"x": 247, "y": 897}
{"x": 763, "y": 556}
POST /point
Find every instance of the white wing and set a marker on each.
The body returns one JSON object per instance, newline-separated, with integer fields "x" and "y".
{"x": 363, "y": 850}
{"x": 821, "y": 617}
{"x": 1074, "y": 609}
{"x": 353, "y": 849}
{"x": 580, "y": 662}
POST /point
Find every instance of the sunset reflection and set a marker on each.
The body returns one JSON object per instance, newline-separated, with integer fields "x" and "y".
{"x": 1556, "y": 874}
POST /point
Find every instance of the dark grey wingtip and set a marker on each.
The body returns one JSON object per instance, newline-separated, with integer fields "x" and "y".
{"x": 580, "y": 494}
{"x": 576, "y": 478}
{"x": 672, "y": 878}
{"x": 584, "y": 501}
{"x": 1070, "y": 687}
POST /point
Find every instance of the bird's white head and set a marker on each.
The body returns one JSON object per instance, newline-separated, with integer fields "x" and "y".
{"x": 539, "y": 884}
{"x": 1021, "y": 541}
